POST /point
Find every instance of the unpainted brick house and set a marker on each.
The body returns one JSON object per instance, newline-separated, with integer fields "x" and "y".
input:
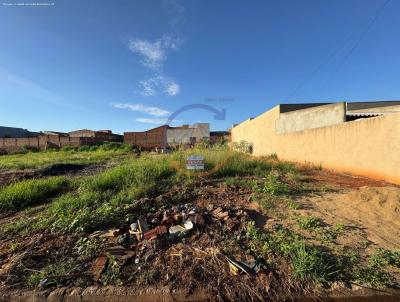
{"x": 167, "y": 136}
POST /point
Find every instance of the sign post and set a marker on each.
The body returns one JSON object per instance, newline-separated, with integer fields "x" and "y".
{"x": 195, "y": 162}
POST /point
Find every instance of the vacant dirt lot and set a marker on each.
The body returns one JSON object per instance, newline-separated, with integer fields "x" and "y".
{"x": 257, "y": 230}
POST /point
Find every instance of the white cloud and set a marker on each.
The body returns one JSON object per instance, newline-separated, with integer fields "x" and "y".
{"x": 148, "y": 87}
{"x": 156, "y": 121}
{"x": 152, "y": 86}
{"x": 153, "y": 53}
{"x": 154, "y": 111}
{"x": 172, "y": 89}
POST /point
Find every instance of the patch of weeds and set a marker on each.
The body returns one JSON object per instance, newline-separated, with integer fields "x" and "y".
{"x": 31, "y": 192}
{"x": 15, "y": 246}
{"x": 237, "y": 182}
{"x": 293, "y": 205}
{"x": 374, "y": 276}
{"x": 383, "y": 257}
{"x": 339, "y": 228}
{"x": 364, "y": 243}
{"x": 293, "y": 176}
{"x": 54, "y": 273}
{"x": 309, "y": 223}
{"x": 88, "y": 248}
{"x": 266, "y": 202}
{"x": 274, "y": 184}
{"x": 103, "y": 199}
{"x": 110, "y": 275}
{"x": 373, "y": 272}
{"x": 307, "y": 261}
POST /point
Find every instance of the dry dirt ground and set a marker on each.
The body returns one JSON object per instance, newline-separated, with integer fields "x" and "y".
{"x": 371, "y": 206}
{"x": 368, "y": 209}
{"x": 7, "y": 177}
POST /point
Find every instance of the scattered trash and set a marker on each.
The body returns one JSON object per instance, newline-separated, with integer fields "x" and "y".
{"x": 139, "y": 241}
{"x": 121, "y": 254}
{"x": 134, "y": 227}
{"x": 220, "y": 214}
{"x": 188, "y": 225}
{"x": 123, "y": 239}
{"x": 152, "y": 234}
{"x": 143, "y": 227}
{"x": 236, "y": 266}
{"x": 176, "y": 231}
{"x": 43, "y": 282}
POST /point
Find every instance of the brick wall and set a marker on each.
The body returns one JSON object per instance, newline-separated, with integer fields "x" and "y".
{"x": 153, "y": 138}
{"x": 45, "y": 141}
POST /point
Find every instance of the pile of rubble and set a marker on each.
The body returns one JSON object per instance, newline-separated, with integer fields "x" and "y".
{"x": 146, "y": 237}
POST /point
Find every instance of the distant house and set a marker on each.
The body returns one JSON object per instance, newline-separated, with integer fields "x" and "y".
{"x": 220, "y": 136}
{"x": 188, "y": 134}
{"x": 11, "y": 132}
{"x": 54, "y": 133}
{"x": 153, "y": 138}
{"x": 164, "y": 136}
{"x": 99, "y": 136}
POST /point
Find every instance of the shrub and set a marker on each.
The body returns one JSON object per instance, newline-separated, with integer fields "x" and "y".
{"x": 243, "y": 146}
{"x": 275, "y": 185}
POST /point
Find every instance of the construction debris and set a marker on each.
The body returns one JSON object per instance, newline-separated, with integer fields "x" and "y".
{"x": 150, "y": 235}
{"x": 98, "y": 267}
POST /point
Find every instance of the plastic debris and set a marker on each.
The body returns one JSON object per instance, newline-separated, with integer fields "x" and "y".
{"x": 134, "y": 227}
{"x": 237, "y": 266}
{"x": 188, "y": 225}
{"x": 123, "y": 239}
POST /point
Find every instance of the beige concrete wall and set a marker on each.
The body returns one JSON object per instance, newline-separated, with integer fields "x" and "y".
{"x": 369, "y": 147}
{"x": 310, "y": 118}
{"x": 182, "y": 135}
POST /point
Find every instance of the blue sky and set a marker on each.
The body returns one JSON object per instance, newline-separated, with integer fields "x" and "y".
{"x": 128, "y": 65}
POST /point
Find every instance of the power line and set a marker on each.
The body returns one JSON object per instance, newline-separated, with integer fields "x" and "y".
{"x": 362, "y": 36}
{"x": 340, "y": 47}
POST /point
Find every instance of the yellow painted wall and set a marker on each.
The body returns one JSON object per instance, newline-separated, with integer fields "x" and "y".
{"x": 369, "y": 147}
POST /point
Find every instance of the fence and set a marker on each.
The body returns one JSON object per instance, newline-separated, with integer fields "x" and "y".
{"x": 368, "y": 147}
{"x": 45, "y": 141}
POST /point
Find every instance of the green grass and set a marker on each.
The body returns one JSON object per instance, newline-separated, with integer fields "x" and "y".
{"x": 384, "y": 257}
{"x": 223, "y": 162}
{"x": 31, "y": 192}
{"x": 82, "y": 155}
{"x": 53, "y": 273}
{"x": 309, "y": 223}
{"x": 104, "y": 200}
{"x": 308, "y": 262}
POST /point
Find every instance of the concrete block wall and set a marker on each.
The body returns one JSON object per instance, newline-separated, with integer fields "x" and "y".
{"x": 368, "y": 147}
{"x": 181, "y": 135}
{"x": 315, "y": 117}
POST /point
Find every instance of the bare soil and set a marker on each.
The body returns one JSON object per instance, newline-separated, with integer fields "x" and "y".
{"x": 7, "y": 177}
{"x": 369, "y": 209}
{"x": 375, "y": 210}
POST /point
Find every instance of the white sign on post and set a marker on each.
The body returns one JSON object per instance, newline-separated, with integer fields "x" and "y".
{"x": 195, "y": 162}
